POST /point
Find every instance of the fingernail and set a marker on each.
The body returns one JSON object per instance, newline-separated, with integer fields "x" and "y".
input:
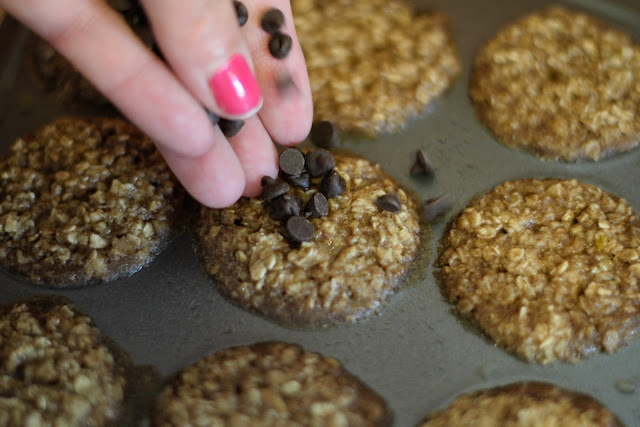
{"x": 234, "y": 87}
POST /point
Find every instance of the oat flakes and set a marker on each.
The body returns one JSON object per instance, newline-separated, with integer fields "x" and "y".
{"x": 561, "y": 84}
{"x": 550, "y": 269}
{"x": 265, "y": 384}
{"x": 373, "y": 64}
{"x": 357, "y": 259}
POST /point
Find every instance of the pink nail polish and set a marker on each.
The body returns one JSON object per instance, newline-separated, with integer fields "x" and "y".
{"x": 234, "y": 87}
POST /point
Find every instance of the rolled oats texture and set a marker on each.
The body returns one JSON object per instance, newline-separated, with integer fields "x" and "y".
{"x": 373, "y": 64}
{"x": 358, "y": 257}
{"x": 269, "y": 383}
{"x": 85, "y": 201}
{"x": 561, "y": 84}
{"x": 530, "y": 404}
{"x": 549, "y": 269}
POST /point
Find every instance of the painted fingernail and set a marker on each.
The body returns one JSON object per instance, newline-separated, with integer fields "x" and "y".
{"x": 235, "y": 88}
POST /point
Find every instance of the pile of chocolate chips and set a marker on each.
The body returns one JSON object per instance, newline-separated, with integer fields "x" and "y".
{"x": 314, "y": 173}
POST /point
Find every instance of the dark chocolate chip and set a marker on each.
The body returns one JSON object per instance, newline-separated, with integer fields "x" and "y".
{"x": 319, "y": 162}
{"x": 317, "y": 206}
{"x": 436, "y": 208}
{"x": 389, "y": 203}
{"x": 333, "y": 185}
{"x": 241, "y": 12}
{"x": 299, "y": 229}
{"x": 280, "y": 45}
{"x": 272, "y": 20}
{"x": 303, "y": 180}
{"x": 230, "y": 127}
{"x": 292, "y": 161}
{"x": 324, "y": 134}
{"x": 272, "y": 188}
{"x": 422, "y": 165}
{"x": 284, "y": 207}
{"x": 213, "y": 118}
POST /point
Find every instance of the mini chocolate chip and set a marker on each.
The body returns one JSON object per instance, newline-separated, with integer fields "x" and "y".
{"x": 292, "y": 161}
{"x": 434, "y": 209}
{"x": 333, "y": 185}
{"x": 280, "y": 45}
{"x": 422, "y": 164}
{"x": 284, "y": 207}
{"x": 389, "y": 203}
{"x": 213, "y": 118}
{"x": 303, "y": 180}
{"x": 272, "y": 20}
{"x": 299, "y": 229}
{"x": 241, "y": 12}
{"x": 285, "y": 83}
{"x": 230, "y": 127}
{"x": 319, "y": 162}
{"x": 272, "y": 188}
{"x": 324, "y": 134}
{"x": 317, "y": 206}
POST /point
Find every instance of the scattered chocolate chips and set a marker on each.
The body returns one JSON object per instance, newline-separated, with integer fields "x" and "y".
{"x": 333, "y": 185}
{"x": 272, "y": 188}
{"x": 422, "y": 164}
{"x": 303, "y": 180}
{"x": 317, "y": 206}
{"x": 436, "y": 208}
{"x": 324, "y": 134}
{"x": 292, "y": 161}
{"x": 241, "y": 12}
{"x": 280, "y": 45}
{"x": 283, "y": 207}
{"x": 230, "y": 127}
{"x": 213, "y": 118}
{"x": 272, "y": 20}
{"x": 299, "y": 229}
{"x": 319, "y": 162}
{"x": 389, "y": 203}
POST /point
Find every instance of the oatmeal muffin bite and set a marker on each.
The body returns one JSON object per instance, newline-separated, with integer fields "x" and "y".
{"x": 548, "y": 268}
{"x": 561, "y": 84}
{"x": 57, "y": 368}
{"x": 84, "y": 201}
{"x": 268, "y": 383}
{"x": 319, "y": 268}
{"x": 373, "y": 64}
{"x": 524, "y": 404}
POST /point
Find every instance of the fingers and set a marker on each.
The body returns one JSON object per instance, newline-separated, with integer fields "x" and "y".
{"x": 287, "y": 112}
{"x": 201, "y": 40}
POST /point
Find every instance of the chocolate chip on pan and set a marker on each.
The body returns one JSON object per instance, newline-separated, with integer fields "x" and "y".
{"x": 303, "y": 180}
{"x": 317, "y": 206}
{"x": 230, "y": 127}
{"x": 422, "y": 164}
{"x": 319, "y": 162}
{"x": 333, "y": 185}
{"x": 299, "y": 229}
{"x": 292, "y": 161}
{"x": 272, "y": 188}
{"x": 389, "y": 203}
{"x": 284, "y": 206}
{"x": 280, "y": 45}
{"x": 324, "y": 134}
{"x": 434, "y": 209}
{"x": 241, "y": 12}
{"x": 272, "y": 20}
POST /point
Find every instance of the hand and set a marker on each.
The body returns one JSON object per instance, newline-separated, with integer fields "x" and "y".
{"x": 201, "y": 41}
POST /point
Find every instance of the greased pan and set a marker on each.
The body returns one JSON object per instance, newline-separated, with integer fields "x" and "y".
{"x": 417, "y": 353}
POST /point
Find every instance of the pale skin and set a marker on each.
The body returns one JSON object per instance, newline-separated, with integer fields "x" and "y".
{"x": 167, "y": 102}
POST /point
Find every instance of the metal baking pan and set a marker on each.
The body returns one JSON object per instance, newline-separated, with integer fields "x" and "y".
{"x": 417, "y": 353}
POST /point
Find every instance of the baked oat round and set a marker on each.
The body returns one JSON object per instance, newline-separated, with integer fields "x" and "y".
{"x": 550, "y": 269}
{"x": 373, "y": 64}
{"x": 357, "y": 258}
{"x": 560, "y": 84}
{"x": 57, "y": 368}
{"x": 524, "y": 404}
{"x": 84, "y": 201}
{"x": 269, "y": 383}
